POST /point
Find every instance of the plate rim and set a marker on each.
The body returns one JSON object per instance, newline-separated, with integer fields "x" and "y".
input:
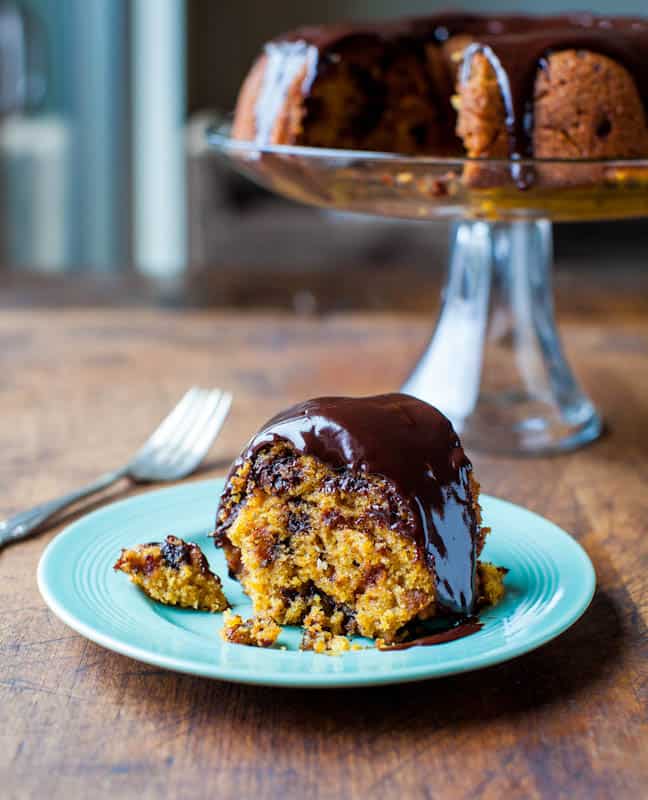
{"x": 410, "y": 674}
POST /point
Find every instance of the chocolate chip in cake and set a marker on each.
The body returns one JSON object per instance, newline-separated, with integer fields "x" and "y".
{"x": 335, "y": 519}
{"x": 265, "y": 545}
{"x": 278, "y": 475}
{"x": 150, "y": 564}
{"x": 298, "y": 522}
{"x": 347, "y": 481}
{"x": 419, "y": 133}
{"x": 604, "y": 128}
{"x": 175, "y": 552}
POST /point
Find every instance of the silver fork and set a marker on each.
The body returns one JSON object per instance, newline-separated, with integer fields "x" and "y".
{"x": 172, "y": 452}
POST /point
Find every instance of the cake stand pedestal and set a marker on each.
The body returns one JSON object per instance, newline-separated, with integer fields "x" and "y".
{"x": 494, "y": 365}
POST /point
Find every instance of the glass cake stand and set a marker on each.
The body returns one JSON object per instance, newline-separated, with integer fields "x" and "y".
{"x": 495, "y": 364}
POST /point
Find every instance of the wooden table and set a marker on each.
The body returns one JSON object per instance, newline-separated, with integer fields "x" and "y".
{"x": 80, "y": 389}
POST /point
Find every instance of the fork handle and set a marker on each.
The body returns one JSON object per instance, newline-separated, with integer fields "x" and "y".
{"x": 21, "y": 525}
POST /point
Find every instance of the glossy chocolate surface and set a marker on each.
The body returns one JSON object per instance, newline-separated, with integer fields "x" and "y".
{"x": 458, "y": 630}
{"x": 517, "y": 56}
{"x": 515, "y": 45}
{"x": 413, "y": 446}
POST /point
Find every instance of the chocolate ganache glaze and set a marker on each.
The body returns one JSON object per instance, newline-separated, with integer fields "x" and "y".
{"x": 413, "y": 446}
{"x": 463, "y": 627}
{"x": 516, "y": 58}
{"x": 515, "y": 45}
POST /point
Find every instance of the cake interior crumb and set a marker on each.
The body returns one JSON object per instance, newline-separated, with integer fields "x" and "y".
{"x": 175, "y": 573}
{"x": 319, "y": 637}
{"x": 258, "y": 631}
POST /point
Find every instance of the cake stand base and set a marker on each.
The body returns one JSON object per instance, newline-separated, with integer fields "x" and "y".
{"x": 495, "y": 365}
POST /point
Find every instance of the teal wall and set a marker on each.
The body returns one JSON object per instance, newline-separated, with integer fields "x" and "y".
{"x": 52, "y": 14}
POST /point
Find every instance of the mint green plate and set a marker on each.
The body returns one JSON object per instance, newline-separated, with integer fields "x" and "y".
{"x": 549, "y": 585}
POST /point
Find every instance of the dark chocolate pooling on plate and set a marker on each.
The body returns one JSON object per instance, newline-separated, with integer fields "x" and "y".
{"x": 459, "y": 630}
{"x": 414, "y": 447}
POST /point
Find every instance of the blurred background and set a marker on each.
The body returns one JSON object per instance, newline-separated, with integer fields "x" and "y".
{"x": 107, "y": 186}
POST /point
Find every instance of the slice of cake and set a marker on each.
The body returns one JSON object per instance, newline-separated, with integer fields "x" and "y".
{"x": 364, "y": 511}
{"x": 173, "y": 572}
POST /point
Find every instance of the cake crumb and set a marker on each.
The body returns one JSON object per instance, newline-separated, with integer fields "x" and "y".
{"x": 319, "y": 638}
{"x": 257, "y": 631}
{"x": 490, "y": 583}
{"x": 175, "y": 573}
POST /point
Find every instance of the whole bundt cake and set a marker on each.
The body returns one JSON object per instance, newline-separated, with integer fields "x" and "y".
{"x": 572, "y": 86}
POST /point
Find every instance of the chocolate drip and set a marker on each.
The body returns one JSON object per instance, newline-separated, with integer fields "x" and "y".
{"x": 414, "y": 447}
{"x": 458, "y": 630}
{"x": 285, "y": 61}
{"x": 516, "y": 59}
{"x": 515, "y": 45}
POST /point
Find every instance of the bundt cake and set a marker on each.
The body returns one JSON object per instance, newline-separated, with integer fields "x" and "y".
{"x": 356, "y": 516}
{"x": 456, "y": 84}
{"x": 173, "y": 572}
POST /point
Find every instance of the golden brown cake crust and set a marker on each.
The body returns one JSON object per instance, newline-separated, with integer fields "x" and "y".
{"x": 587, "y": 106}
{"x": 480, "y": 112}
{"x": 244, "y": 125}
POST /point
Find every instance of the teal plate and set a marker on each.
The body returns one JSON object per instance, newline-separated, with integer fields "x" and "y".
{"x": 549, "y": 585}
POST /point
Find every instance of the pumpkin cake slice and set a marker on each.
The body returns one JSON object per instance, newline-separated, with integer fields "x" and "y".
{"x": 173, "y": 572}
{"x": 361, "y": 511}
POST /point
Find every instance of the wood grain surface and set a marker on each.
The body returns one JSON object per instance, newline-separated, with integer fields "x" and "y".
{"x": 80, "y": 389}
